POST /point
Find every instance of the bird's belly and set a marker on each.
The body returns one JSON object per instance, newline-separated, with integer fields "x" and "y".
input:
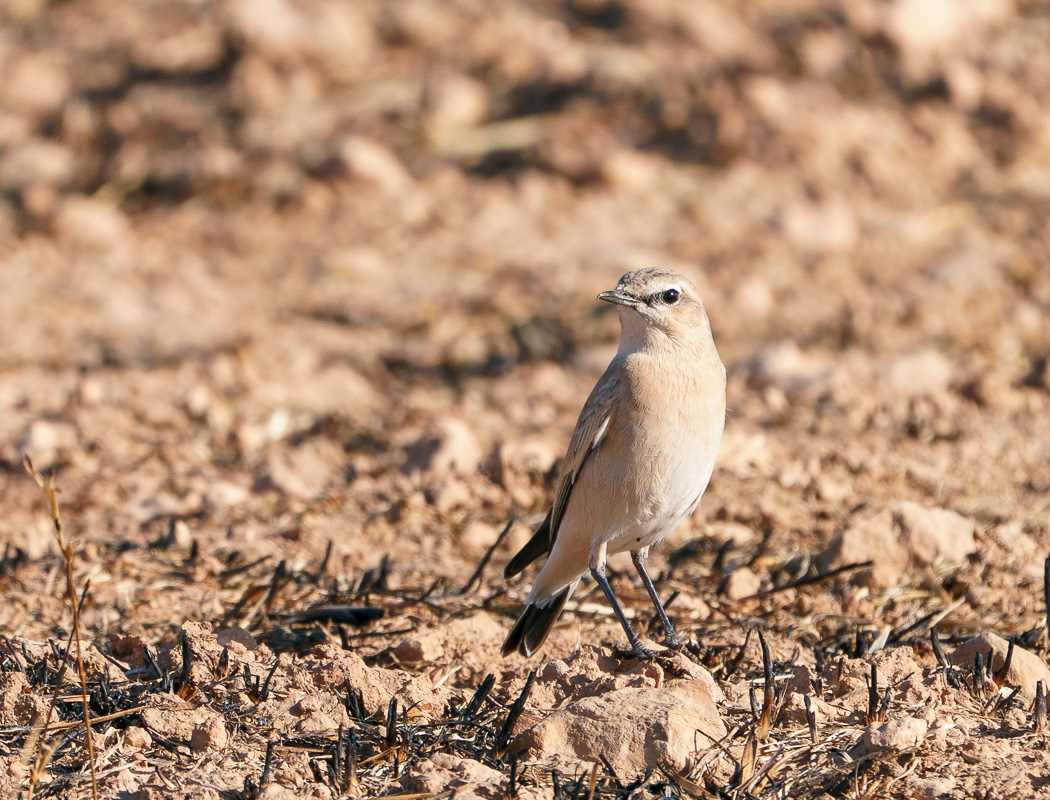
{"x": 666, "y": 490}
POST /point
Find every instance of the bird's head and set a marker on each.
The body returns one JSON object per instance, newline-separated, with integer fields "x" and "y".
{"x": 657, "y": 304}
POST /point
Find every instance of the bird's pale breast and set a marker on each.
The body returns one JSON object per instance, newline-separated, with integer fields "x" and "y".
{"x": 673, "y": 413}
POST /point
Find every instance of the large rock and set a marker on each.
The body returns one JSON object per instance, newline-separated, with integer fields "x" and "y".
{"x": 902, "y": 538}
{"x": 632, "y": 728}
{"x": 1026, "y": 668}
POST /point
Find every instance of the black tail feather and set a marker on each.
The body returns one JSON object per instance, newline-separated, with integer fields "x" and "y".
{"x": 534, "y": 625}
{"x": 535, "y": 547}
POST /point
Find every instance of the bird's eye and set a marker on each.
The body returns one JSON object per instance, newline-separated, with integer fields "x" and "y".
{"x": 671, "y": 296}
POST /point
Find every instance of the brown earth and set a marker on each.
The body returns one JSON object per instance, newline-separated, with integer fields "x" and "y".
{"x": 289, "y": 275}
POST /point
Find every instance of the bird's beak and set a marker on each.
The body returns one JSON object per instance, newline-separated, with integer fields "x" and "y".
{"x": 616, "y": 297}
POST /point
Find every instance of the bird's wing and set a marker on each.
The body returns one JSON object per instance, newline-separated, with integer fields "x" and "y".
{"x": 590, "y": 431}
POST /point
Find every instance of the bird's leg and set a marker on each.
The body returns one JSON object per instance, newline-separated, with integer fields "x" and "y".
{"x": 598, "y": 573}
{"x": 671, "y": 639}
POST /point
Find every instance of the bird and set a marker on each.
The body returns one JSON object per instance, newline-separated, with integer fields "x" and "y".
{"x": 639, "y": 460}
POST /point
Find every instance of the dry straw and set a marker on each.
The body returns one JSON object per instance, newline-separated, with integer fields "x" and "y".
{"x": 67, "y": 548}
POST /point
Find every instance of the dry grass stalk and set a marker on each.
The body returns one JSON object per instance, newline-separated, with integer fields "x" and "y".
{"x": 67, "y": 549}
{"x": 42, "y": 723}
{"x": 592, "y": 781}
{"x": 1039, "y": 714}
{"x": 1046, "y": 599}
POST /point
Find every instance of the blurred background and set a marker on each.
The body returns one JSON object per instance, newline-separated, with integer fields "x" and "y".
{"x": 297, "y": 300}
{"x": 278, "y": 272}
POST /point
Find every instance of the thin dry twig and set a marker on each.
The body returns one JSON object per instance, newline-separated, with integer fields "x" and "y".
{"x": 1039, "y": 722}
{"x": 476, "y": 577}
{"x": 67, "y": 549}
{"x": 766, "y": 719}
{"x": 811, "y": 579}
{"x": 1046, "y": 593}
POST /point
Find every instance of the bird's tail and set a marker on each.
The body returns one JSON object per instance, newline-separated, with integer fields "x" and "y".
{"x": 537, "y": 546}
{"x": 535, "y": 623}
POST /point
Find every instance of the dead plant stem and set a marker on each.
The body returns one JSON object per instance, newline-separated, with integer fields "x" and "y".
{"x": 66, "y": 547}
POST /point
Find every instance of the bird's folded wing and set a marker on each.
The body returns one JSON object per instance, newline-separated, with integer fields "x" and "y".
{"x": 590, "y": 431}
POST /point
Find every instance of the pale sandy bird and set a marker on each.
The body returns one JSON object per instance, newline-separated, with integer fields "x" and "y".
{"x": 640, "y": 458}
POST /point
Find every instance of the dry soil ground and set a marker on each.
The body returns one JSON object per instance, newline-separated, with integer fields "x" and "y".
{"x": 299, "y": 306}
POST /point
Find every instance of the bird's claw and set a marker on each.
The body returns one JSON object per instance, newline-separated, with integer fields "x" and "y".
{"x": 672, "y": 642}
{"x": 643, "y": 653}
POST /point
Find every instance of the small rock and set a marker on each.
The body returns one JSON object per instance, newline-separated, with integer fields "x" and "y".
{"x": 419, "y": 649}
{"x": 34, "y": 82}
{"x": 274, "y": 27}
{"x": 787, "y": 368}
{"x": 1015, "y": 720}
{"x": 922, "y": 372}
{"x": 181, "y": 535}
{"x": 18, "y": 705}
{"x": 735, "y": 532}
{"x": 692, "y": 606}
{"x": 456, "y": 102}
{"x": 900, "y": 734}
{"x": 178, "y": 722}
{"x": 205, "y": 648}
{"x": 794, "y": 710}
{"x": 902, "y": 538}
{"x": 319, "y": 713}
{"x": 825, "y": 227}
{"x": 330, "y": 669}
{"x": 924, "y": 27}
{"x": 238, "y": 635}
{"x": 225, "y": 494}
{"x": 122, "y": 783}
{"x": 832, "y": 491}
{"x": 478, "y": 536}
{"x": 445, "y": 771}
{"x": 450, "y": 495}
{"x": 36, "y": 163}
{"x": 136, "y": 738}
{"x": 376, "y": 164}
{"x": 754, "y": 297}
{"x": 929, "y": 788}
{"x": 740, "y": 583}
{"x": 305, "y": 471}
{"x": 91, "y": 223}
{"x": 746, "y": 455}
{"x": 1026, "y": 668}
{"x": 533, "y": 456}
{"x": 274, "y": 791}
{"x": 450, "y": 446}
{"x": 802, "y": 682}
{"x": 632, "y": 728}
{"x": 630, "y": 169}
{"x": 48, "y": 443}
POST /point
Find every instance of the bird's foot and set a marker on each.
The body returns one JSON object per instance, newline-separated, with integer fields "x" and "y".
{"x": 637, "y": 650}
{"x": 674, "y": 662}
{"x": 643, "y": 653}
{"x": 672, "y": 642}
